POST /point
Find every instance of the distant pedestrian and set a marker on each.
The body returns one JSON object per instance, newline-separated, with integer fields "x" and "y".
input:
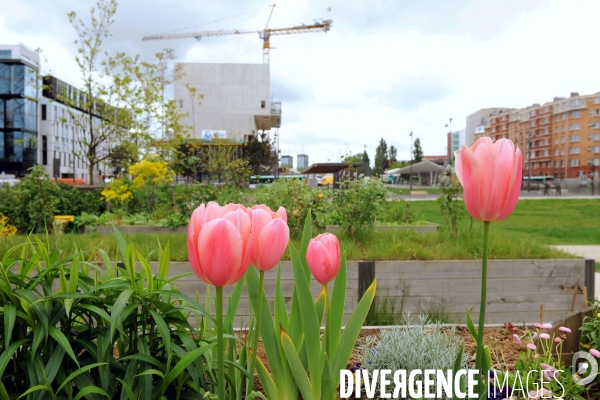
{"x": 558, "y": 192}
{"x": 546, "y": 189}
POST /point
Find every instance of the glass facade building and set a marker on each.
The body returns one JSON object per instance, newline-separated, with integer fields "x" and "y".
{"x": 18, "y": 112}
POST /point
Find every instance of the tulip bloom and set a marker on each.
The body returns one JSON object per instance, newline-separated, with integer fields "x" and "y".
{"x": 490, "y": 174}
{"x": 219, "y": 243}
{"x": 323, "y": 257}
{"x": 270, "y": 236}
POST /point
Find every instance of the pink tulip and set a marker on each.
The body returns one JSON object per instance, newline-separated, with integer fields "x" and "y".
{"x": 270, "y": 236}
{"x": 544, "y": 336}
{"x": 564, "y": 329}
{"x": 219, "y": 243}
{"x": 516, "y": 339}
{"x": 531, "y": 346}
{"x": 323, "y": 257}
{"x": 595, "y": 353}
{"x": 490, "y": 174}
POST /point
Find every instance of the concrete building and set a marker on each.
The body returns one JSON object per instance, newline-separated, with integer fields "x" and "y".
{"x": 560, "y": 138}
{"x": 287, "y": 161}
{"x": 476, "y": 123}
{"x": 236, "y": 100}
{"x": 19, "y": 67}
{"x": 36, "y": 127}
{"x": 302, "y": 162}
{"x": 457, "y": 139}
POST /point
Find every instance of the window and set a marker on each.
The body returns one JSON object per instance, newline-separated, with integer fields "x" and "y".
{"x": 575, "y": 114}
{"x": 43, "y": 114}
{"x": 546, "y": 109}
{"x": 575, "y": 162}
{"x": 575, "y": 102}
{"x": 575, "y": 126}
{"x": 555, "y": 164}
{"x": 574, "y": 138}
{"x": 556, "y": 141}
{"x": 262, "y": 104}
{"x": 532, "y": 114}
{"x": 562, "y": 151}
{"x": 44, "y": 150}
{"x": 546, "y": 153}
{"x": 596, "y": 149}
{"x": 534, "y": 165}
{"x": 596, "y": 100}
{"x": 575, "y": 150}
{"x": 562, "y": 128}
{"x": 562, "y": 163}
{"x": 563, "y": 116}
{"x": 180, "y": 102}
{"x": 594, "y": 125}
{"x": 596, "y": 136}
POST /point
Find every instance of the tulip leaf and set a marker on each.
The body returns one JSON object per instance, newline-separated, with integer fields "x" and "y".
{"x": 312, "y": 328}
{"x": 470, "y": 325}
{"x": 306, "y": 237}
{"x": 281, "y": 316}
{"x": 234, "y": 300}
{"x": 10, "y": 316}
{"x": 266, "y": 380}
{"x": 297, "y": 369}
{"x": 353, "y": 327}
{"x": 337, "y": 307}
{"x": 185, "y": 361}
{"x": 269, "y": 338}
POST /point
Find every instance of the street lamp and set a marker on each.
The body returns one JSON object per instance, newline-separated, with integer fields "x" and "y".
{"x": 411, "y": 162}
{"x": 449, "y": 140}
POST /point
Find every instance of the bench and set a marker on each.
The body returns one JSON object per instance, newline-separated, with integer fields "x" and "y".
{"x": 414, "y": 193}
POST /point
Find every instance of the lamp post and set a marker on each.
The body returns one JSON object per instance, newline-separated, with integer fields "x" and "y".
{"x": 449, "y": 140}
{"x": 411, "y": 162}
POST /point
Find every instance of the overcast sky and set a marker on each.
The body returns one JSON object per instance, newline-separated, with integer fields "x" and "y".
{"x": 387, "y": 67}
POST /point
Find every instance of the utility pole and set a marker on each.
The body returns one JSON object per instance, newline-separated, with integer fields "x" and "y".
{"x": 449, "y": 150}
{"x": 411, "y": 161}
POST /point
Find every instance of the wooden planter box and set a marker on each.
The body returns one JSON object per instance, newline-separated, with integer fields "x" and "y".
{"x": 516, "y": 288}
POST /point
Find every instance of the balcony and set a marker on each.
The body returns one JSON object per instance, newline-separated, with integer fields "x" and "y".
{"x": 276, "y": 108}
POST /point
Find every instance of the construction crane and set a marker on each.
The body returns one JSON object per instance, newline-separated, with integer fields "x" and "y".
{"x": 265, "y": 34}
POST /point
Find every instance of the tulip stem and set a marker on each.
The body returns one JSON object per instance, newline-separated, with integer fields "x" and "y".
{"x": 480, "y": 354}
{"x": 327, "y": 333}
{"x": 256, "y": 333}
{"x": 220, "y": 344}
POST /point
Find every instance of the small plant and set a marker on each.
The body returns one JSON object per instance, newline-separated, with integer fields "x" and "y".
{"x": 357, "y": 204}
{"x": 420, "y": 346}
{"x": 450, "y": 207}
{"x": 590, "y": 330}
{"x": 6, "y": 229}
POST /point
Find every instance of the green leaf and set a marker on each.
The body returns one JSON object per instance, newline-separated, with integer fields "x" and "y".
{"x": 320, "y": 305}
{"x": 312, "y": 328}
{"x": 152, "y": 372}
{"x": 121, "y": 244}
{"x": 8, "y": 353}
{"x": 266, "y": 380}
{"x": 185, "y": 361}
{"x": 353, "y": 327}
{"x": 127, "y": 389}
{"x": 35, "y": 389}
{"x": 296, "y": 366}
{"x": 89, "y": 390}
{"x": 234, "y": 300}
{"x": 164, "y": 330}
{"x": 61, "y": 339}
{"x": 306, "y": 236}
{"x": 10, "y": 315}
{"x": 470, "y": 325}
{"x": 163, "y": 262}
{"x": 337, "y": 307}
{"x": 115, "y": 315}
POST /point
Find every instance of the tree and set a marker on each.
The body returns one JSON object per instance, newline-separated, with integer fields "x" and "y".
{"x": 257, "y": 151}
{"x": 381, "y": 161}
{"x": 393, "y": 154}
{"x": 218, "y": 156}
{"x": 417, "y": 151}
{"x": 122, "y": 99}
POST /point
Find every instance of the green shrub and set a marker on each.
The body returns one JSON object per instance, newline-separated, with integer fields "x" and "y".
{"x": 357, "y": 204}
{"x": 72, "y": 328}
{"x": 298, "y": 199}
{"x": 396, "y": 212}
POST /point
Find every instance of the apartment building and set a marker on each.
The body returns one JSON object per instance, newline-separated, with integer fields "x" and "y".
{"x": 560, "y": 138}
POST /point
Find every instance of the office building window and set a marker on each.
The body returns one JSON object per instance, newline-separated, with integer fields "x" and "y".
{"x": 43, "y": 114}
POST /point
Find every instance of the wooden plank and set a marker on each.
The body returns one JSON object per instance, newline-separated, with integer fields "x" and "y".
{"x": 456, "y": 269}
{"x": 366, "y": 276}
{"x": 495, "y": 285}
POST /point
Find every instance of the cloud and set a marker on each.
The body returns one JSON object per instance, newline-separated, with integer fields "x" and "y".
{"x": 411, "y": 93}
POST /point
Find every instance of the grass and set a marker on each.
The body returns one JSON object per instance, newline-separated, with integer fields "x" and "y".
{"x": 553, "y": 221}
{"x": 374, "y": 246}
{"x": 407, "y": 190}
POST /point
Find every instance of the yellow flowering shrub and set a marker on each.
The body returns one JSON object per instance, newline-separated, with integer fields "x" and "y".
{"x": 151, "y": 171}
{"x": 6, "y": 230}
{"x": 118, "y": 190}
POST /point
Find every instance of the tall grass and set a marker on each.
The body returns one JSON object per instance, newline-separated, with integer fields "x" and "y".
{"x": 376, "y": 246}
